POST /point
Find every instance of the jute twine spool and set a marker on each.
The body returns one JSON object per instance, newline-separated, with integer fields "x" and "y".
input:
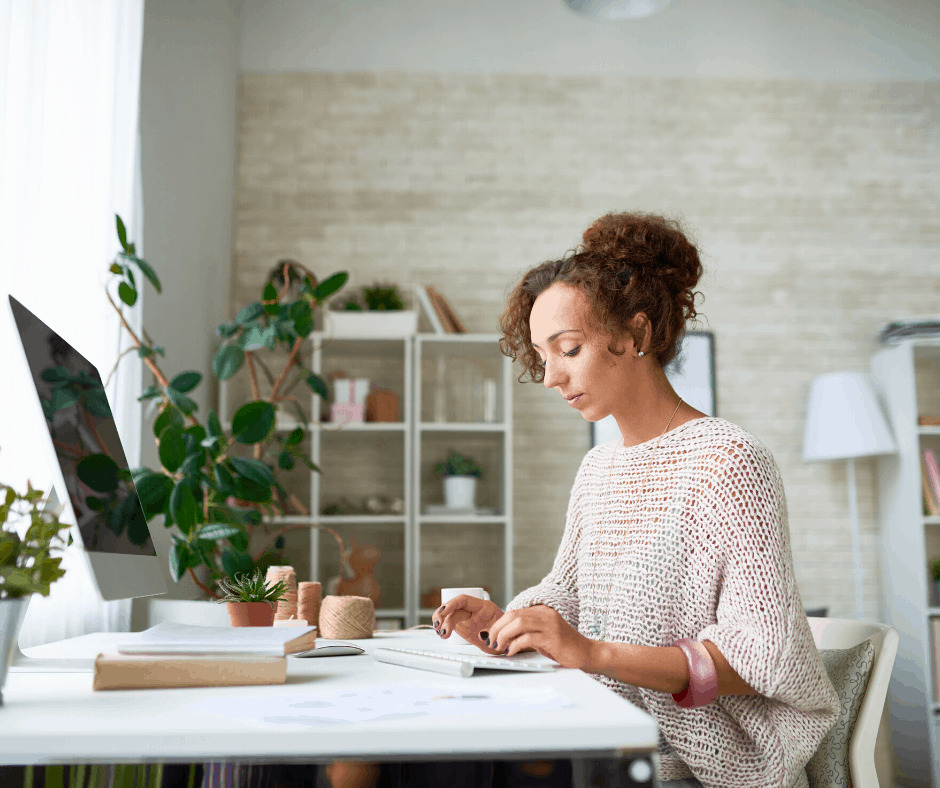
{"x": 308, "y": 603}
{"x": 287, "y": 607}
{"x": 347, "y": 617}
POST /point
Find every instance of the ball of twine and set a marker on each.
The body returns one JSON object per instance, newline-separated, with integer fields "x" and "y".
{"x": 308, "y": 602}
{"x": 286, "y": 607}
{"x": 347, "y": 617}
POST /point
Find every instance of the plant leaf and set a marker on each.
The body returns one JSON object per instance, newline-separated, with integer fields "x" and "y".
{"x": 249, "y": 314}
{"x": 172, "y": 449}
{"x": 227, "y": 361}
{"x": 185, "y": 404}
{"x": 186, "y": 381}
{"x": 330, "y": 285}
{"x": 127, "y": 293}
{"x": 253, "y": 422}
{"x": 153, "y": 489}
{"x": 213, "y": 531}
{"x": 183, "y": 507}
{"x": 271, "y": 304}
{"x": 253, "y": 470}
{"x": 317, "y": 384}
{"x": 147, "y": 271}
{"x": 121, "y": 232}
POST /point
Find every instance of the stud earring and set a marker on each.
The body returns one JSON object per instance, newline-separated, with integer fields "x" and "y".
{"x": 640, "y": 354}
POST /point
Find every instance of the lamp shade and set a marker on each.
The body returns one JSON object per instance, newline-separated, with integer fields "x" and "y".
{"x": 844, "y": 419}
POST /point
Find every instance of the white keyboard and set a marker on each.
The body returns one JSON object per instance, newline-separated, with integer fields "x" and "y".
{"x": 456, "y": 664}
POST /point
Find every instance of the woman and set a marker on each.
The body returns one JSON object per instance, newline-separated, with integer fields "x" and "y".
{"x": 673, "y": 584}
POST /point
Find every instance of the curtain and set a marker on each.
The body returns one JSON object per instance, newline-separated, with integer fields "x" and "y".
{"x": 69, "y": 85}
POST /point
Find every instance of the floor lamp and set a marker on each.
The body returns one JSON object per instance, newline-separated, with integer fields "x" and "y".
{"x": 844, "y": 421}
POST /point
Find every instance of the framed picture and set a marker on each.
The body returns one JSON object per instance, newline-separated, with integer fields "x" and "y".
{"x": 692, "y": 375}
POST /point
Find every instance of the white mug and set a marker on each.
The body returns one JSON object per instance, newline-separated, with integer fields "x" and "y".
{"x": 449, "y": 593}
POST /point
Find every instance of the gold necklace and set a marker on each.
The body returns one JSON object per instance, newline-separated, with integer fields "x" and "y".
{"x": 594, "y": 629}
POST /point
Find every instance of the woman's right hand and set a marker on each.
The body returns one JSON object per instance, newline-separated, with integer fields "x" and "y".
{"x": 469, "y": 617}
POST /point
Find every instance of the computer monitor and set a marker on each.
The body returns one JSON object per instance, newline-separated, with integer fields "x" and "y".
{"x": 88, "y": 465}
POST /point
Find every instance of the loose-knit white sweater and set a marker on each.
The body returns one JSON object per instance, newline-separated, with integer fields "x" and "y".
{"x": 691, "y": 540}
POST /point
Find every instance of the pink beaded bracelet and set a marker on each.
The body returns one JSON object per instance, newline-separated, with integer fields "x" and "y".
{"x": 703, "y": 678}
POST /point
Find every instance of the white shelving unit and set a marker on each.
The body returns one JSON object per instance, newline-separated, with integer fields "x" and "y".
{"x": 396, "y": 459}
{"x": 907, "y": 376}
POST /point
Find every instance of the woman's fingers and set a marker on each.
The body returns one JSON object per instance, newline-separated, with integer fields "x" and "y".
{"x": 450, "y": 622}
{"x": 504, "y": 631}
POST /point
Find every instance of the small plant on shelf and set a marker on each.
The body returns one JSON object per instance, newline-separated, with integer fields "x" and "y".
{"x": 458, "y": 465}
{"x": 379, "y": 298}
{"x": 246, "y": 587}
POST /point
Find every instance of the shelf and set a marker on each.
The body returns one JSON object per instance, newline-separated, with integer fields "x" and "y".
{"x": 462, "y": 426}
{"x": 361, "y": 519}
{"x": 390, "y": 612}
{"x": 477, "y": 519}
{"x": 929, "y": 430}
{"x": 362, "y": 426}
{"x": 932, "y": 519}
{"x": 483, "y": 339}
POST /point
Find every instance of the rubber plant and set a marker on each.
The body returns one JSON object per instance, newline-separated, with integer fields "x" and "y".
{"x": 218, "y": 486}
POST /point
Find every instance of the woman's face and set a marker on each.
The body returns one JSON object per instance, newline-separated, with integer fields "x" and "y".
{"x": 574, "y": 353}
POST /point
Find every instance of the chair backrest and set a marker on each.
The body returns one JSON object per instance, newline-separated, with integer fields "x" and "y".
{"x": 833, "y": 633}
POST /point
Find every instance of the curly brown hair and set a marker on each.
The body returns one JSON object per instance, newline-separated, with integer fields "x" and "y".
{"x": 628, "y": 263}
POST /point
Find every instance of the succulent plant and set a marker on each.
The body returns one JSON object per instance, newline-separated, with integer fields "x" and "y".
{"x": 245, "y": 587}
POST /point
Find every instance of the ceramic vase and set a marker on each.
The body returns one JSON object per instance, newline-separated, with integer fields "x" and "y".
{"x": 460, "y": 492}
{"x": 250, "y": 614}
{"x": 12, "y": 613}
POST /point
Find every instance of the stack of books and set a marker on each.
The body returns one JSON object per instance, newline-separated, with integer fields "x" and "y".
{"x": 176, "y": 655}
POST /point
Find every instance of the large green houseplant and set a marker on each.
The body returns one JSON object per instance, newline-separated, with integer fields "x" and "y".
{"x": 218, "y": 484}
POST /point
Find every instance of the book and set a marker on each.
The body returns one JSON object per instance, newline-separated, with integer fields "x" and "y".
{"x": 930, "y": 503}
{"x": 142, "y": 671}
{"x": 169, "y": 638}
{"x": 433, "y": 318}
{"x": 443, "y": 317}
{"x": 933, "y": 473}
{"x": 452, "y": 319}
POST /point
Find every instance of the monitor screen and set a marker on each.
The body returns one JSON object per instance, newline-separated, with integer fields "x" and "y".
{"x": 93, "y": 469}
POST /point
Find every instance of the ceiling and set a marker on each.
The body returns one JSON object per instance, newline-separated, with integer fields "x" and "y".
{"x": 822, "y": 40}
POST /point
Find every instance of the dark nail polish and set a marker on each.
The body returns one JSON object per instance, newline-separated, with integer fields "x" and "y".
{"x": 437, "y": 624}
{"x": 487, "y": 641}
{"x": 443, "y": 632}
{"x": 440, "y": 608}
{"x": 485, "y": 635}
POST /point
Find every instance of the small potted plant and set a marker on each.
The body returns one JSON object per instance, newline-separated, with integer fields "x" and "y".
{"x": 380, "y": 311}
{"x": 460, "y": 476}
{"x": 27, "y": 566}
{"x": 250, "y": 600}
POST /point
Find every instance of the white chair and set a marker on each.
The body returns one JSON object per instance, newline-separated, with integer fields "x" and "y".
{"x": 832, "y": 633}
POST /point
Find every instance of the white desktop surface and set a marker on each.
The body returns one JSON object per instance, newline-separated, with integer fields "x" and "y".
{"x": 58, "y": 718}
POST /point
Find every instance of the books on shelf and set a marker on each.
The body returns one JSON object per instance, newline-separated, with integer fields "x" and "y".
{"x": 931, "y": 482}
{"x": 144, "y": 671}
{"x": 430, "y": 310}
{"x": 445, "y": 313}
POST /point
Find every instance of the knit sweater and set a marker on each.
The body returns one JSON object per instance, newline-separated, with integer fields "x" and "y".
{"x": 690, "y": 540}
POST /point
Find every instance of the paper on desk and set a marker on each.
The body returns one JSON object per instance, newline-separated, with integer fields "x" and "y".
{"x": 379, "y": 703}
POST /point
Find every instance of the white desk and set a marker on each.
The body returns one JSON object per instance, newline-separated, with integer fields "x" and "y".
{"x": 58, "y": 718}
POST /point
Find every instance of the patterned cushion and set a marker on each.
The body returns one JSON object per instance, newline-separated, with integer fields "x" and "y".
{"x": 848, "y": 670}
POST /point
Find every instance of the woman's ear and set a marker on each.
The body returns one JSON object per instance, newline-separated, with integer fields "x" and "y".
{"x": 642, "y": 327}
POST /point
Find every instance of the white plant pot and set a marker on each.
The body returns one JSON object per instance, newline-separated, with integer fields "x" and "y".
{"x": 12, "y": 613}
{"x": 382, "y": 323}
{"x": 460, "y": 492}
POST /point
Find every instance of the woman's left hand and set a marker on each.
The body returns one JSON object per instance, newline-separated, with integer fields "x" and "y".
{"x": 543, "y": 629}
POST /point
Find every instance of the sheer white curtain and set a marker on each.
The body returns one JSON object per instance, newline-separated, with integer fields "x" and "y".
{"x": 69, "y": 85}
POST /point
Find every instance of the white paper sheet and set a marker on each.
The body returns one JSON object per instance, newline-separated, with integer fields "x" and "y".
{"x": 381, "y": 702}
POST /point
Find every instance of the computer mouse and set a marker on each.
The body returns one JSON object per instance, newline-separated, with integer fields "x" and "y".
{"x": 332, "y": 650}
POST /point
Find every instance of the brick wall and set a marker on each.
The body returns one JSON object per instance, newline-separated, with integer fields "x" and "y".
{"x": 814, "y": 206}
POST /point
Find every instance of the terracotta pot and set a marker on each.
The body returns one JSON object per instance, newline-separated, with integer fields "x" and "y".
{"x": 250, "y": 614}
